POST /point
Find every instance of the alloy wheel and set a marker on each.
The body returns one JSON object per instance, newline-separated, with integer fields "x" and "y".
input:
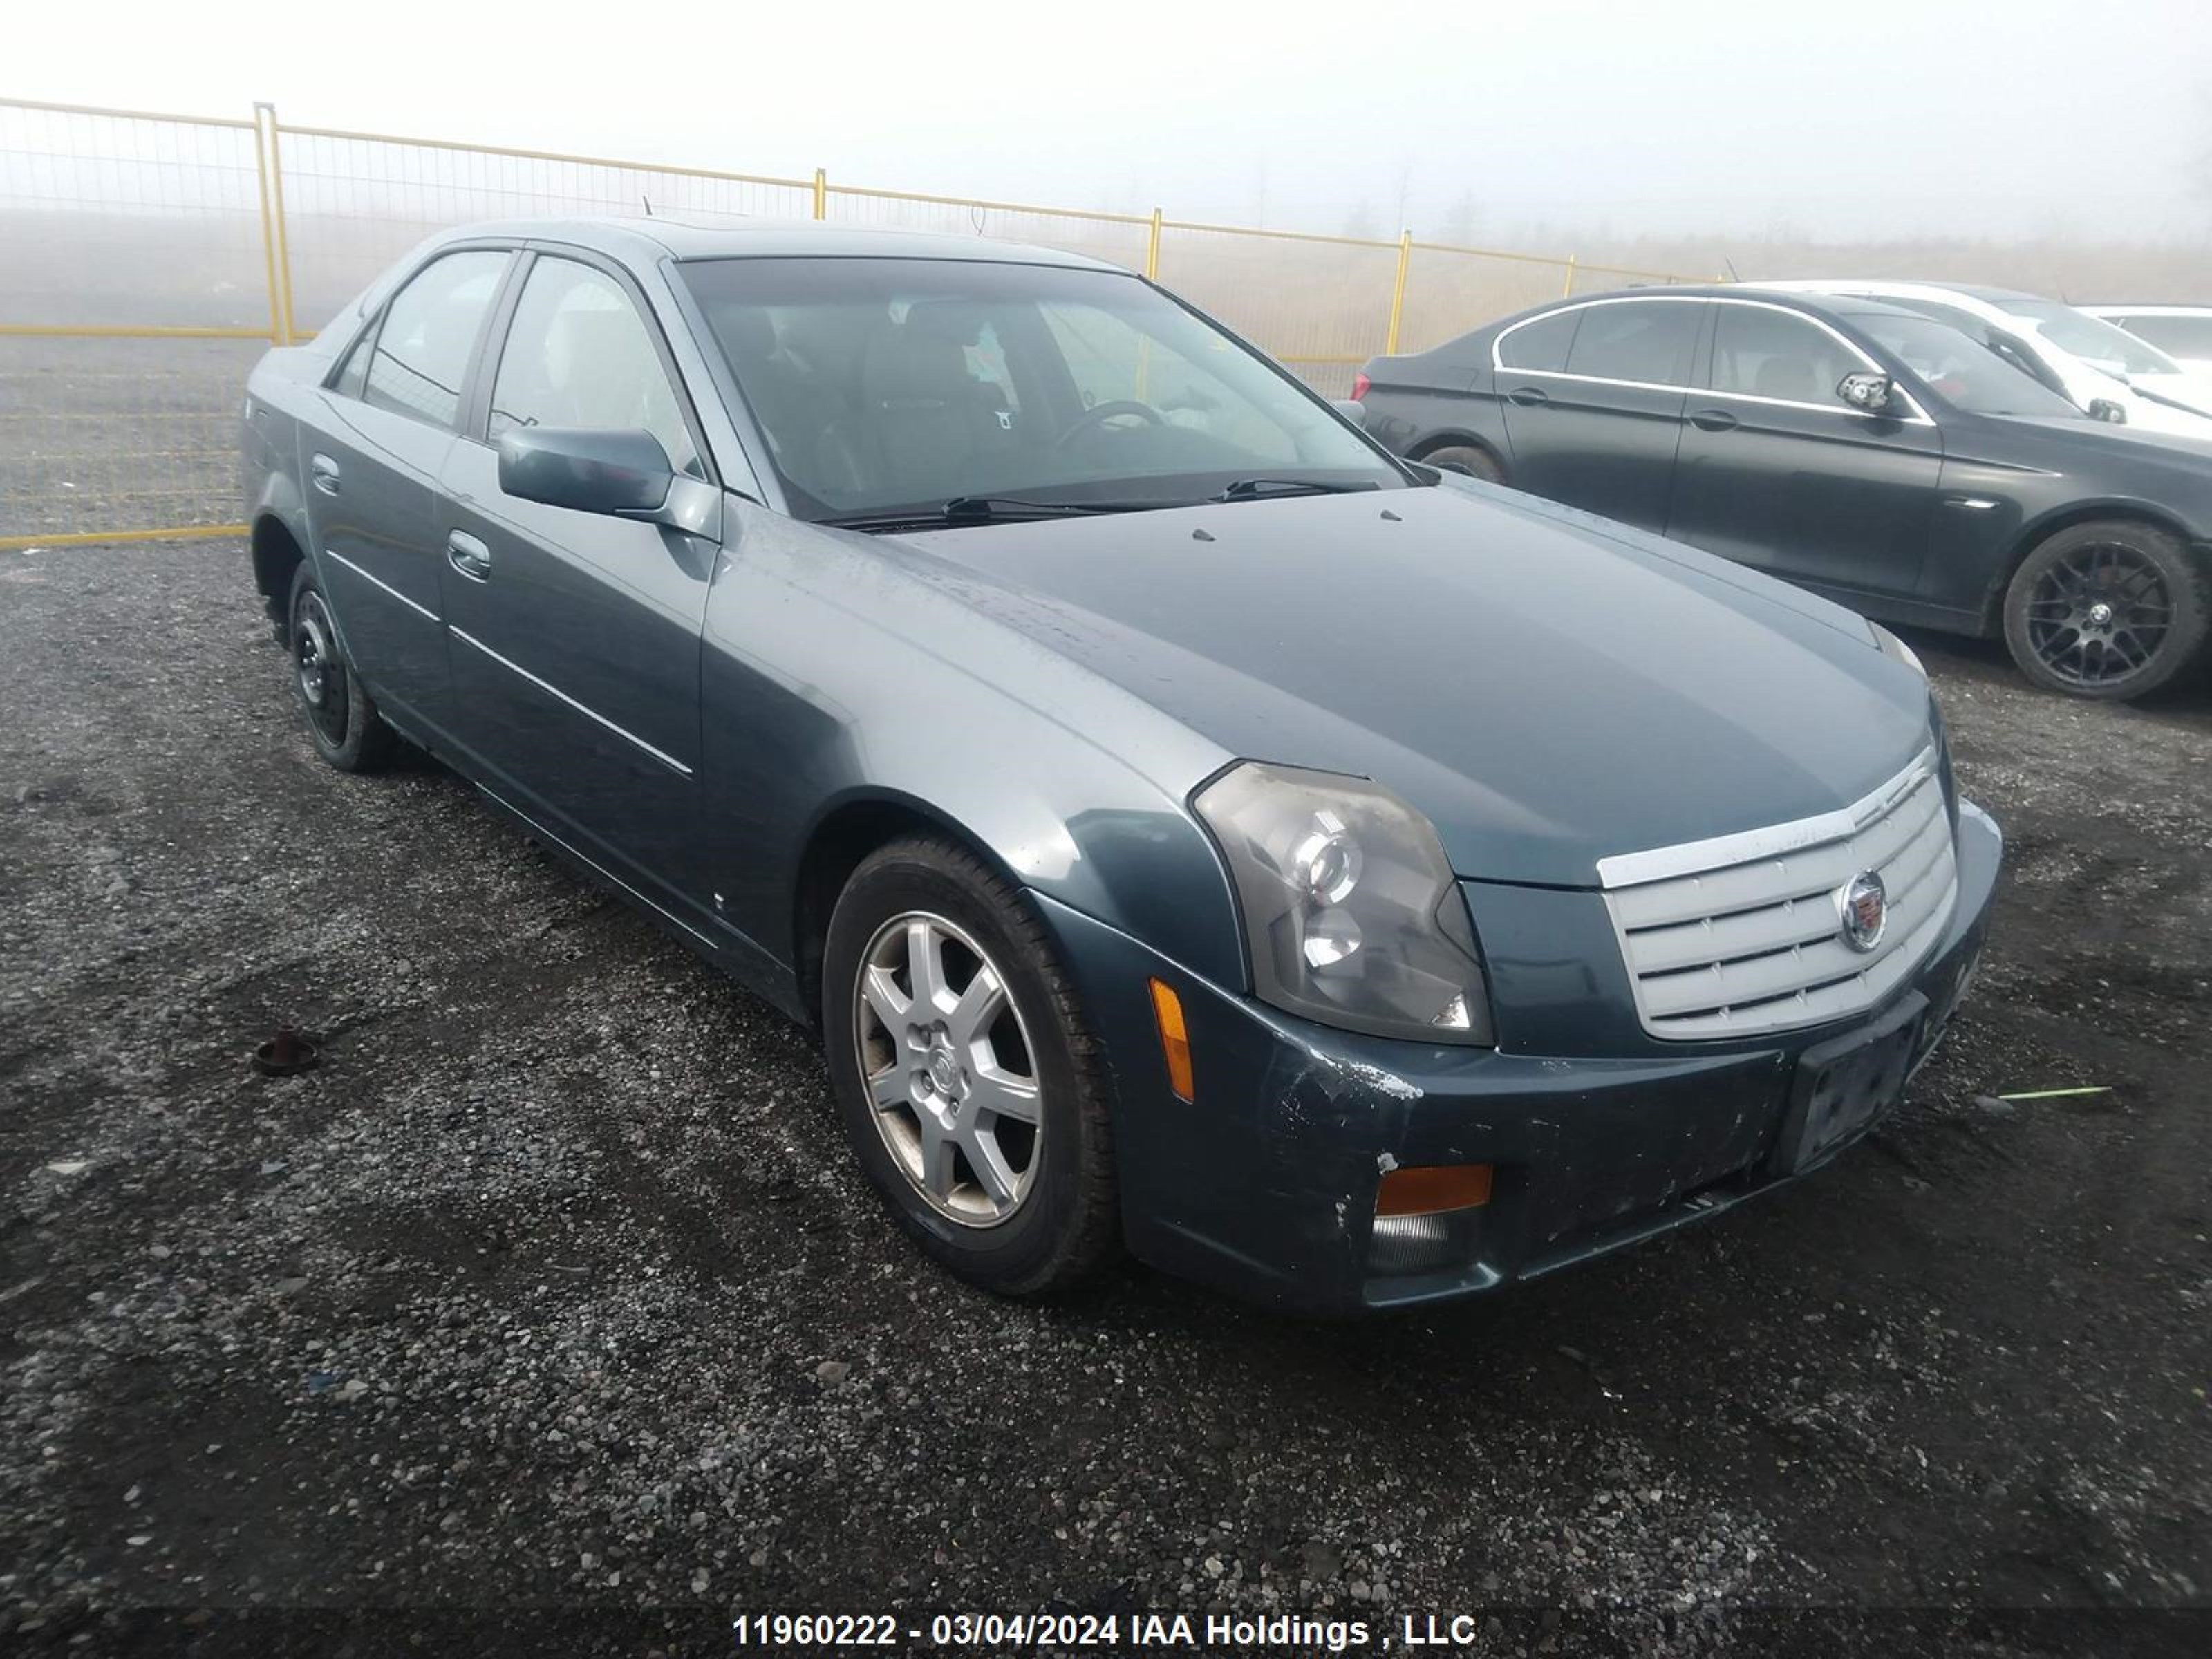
{"x": 2099, "y": 615}
{"x": 950, "y": 1070}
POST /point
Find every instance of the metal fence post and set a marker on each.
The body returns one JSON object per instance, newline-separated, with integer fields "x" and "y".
{"x": 268, "y": 230}
{"x": 1398, "y": 293}
{"x": 1570, "y": 288}
{"x": 283, "y": 245}
{"x": 1152, "y": 250}
{"x": 820, "y": 194}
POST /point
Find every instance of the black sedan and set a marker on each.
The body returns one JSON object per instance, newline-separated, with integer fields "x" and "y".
{"x": 1872, "y": 454}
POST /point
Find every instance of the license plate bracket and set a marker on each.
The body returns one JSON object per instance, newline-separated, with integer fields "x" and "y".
{"x": 1841, "y": 1089}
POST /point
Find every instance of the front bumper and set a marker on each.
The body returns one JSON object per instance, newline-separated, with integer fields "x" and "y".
{"x": 1266, "y": 1185}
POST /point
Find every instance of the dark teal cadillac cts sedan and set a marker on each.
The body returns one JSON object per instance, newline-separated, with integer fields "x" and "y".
{"x": 1188, "y": 827}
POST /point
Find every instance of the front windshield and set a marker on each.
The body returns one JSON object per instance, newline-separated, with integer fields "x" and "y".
{"x": 2090, "y": 338}
{"x": 886, "y": 386}
{"x": 1967, "y": 373}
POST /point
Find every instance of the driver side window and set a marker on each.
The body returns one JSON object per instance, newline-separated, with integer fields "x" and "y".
{"x": 1758, "y": 352}
{"x": 578, "y": 354}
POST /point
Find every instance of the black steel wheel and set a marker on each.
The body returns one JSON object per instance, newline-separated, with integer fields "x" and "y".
{"x": 2110, "y": 608}
{"x": 340, "y": 718}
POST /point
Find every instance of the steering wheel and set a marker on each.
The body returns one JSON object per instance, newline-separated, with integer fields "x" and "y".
{"x": 1099, "y": 413}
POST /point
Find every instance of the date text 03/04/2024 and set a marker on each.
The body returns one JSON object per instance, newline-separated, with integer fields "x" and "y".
{"x": 1212, "y": 1632}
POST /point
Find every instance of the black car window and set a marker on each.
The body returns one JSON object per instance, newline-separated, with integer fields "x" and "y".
{"x": 1972, "y": 375}
{"x": 578, "y": 354}
{"x": 1760, "y": 352}
{"x": 1542, "y": 343}
{"x": 1645, "y": 340}
{"x": 422, "y": 349}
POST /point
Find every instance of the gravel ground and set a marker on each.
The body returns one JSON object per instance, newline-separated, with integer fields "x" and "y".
{"x": 554, "y": 1286}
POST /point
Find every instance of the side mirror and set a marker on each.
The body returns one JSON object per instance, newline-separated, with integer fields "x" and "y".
{"x": 587, "y": 468}
{"x": 1352, "y": 409}
{"x": 2103, "y": 408}
{"x": 1868, "y": 394}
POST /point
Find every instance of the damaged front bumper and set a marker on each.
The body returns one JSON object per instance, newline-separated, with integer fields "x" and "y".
{"x": 1266, "y": 1184}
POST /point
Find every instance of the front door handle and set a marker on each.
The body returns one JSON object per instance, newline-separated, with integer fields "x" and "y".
{"x": 326, "y": 473}
{"x": 1714, "y": 419}
{"x": 468, "y": 556}
{"x": 1528, "y": 396}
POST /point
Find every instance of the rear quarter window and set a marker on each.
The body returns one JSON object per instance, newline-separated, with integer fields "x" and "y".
{"x": 1541, "y": 344}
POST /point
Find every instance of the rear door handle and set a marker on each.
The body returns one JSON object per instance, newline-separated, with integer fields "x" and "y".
{"x": 1714, "y": 419}
{"x": 1528, "y": 396}
{"x": 325, "y": 471}
{"x": 468, "y": 556}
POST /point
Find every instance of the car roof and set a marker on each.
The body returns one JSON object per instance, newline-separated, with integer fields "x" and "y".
{"x": 763, "y": 239}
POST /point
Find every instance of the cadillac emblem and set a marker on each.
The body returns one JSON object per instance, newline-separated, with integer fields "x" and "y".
{"x": 1865, "y": 905}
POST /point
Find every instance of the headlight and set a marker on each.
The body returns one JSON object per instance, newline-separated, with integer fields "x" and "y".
{"x": 1890, "y": 646}
{"x": 1350, "y": 906}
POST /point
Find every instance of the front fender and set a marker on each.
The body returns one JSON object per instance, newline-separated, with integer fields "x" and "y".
{"x": 830, "y": 676}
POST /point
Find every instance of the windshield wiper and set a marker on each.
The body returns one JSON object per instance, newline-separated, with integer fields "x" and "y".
{"x": 983, "y": 509}
{"x": 1248, "y": 490}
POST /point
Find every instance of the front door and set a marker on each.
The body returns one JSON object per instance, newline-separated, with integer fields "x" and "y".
{"x": 575, "y": 635}
{"x": 372, "y": 471}
{"x": 1776, "y": 472}
{"x": 1592, "y": 396}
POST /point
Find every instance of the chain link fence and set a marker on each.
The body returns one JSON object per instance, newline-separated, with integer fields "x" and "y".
{"x": 146, "y": 260}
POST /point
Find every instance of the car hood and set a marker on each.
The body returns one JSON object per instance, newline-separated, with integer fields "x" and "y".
{"x": 1548, "y": 687}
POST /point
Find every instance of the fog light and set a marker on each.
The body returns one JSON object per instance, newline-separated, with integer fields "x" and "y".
{"x": 1415, "y": 1244}
{"x": 1433, "y": 1190}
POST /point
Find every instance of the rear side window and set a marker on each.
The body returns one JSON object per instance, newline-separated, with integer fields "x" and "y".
{"x": 1762, "y": 353}
{"x": 578, "y": 354}
{"x": 1646, "y": 340}
{"x": 430, "y": 328}
{"x": 1542, "y": 343}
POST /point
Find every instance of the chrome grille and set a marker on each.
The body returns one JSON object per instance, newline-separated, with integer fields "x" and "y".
{"x": 1743, "y": 933}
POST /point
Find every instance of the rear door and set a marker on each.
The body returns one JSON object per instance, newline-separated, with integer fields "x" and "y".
{"x": 575, "y": 635}
{"x": 372, "y": 467}
{"x": 1778, "y": 471}
{"x": 1593, "y": 396}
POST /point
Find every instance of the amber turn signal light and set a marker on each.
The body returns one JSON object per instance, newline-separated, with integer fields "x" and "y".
{"x": 1433, "y": 1189}
{"x": 1174, "y": 1041}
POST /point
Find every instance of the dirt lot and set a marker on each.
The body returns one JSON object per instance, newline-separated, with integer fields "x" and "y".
{"x": 554, "y": 1286}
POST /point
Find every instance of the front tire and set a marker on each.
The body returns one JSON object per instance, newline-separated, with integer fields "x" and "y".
{"x": 341, "y": 719}
{"x": 1474, "y": 462}
{"x": 971, "y": 1088}
{"x": 2112, "y": 609}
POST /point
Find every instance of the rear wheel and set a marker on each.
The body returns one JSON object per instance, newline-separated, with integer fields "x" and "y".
{"x": 971, "y": 1089}
{"x": 1474, "y": 462}
{"x": 2110, "y": 608}
{"x": 341, "y": 719}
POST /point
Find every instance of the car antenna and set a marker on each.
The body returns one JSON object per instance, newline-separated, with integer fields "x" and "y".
{"x": 1729, "y": 265}
{"x": 647, "y": 200}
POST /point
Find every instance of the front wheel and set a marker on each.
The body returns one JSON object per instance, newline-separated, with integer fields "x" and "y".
{"x": 970, "y": 1087}
{"x": 341, "y": 721}
{"x": 1468, "y": 458}
{"x": 2112, "y": 609}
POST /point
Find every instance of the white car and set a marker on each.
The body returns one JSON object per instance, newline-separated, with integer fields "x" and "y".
{"x": 2104, "y": 370}
{"x": 2182, "y": 332}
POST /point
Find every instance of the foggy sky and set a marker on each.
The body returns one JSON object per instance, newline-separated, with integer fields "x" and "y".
{"x": 1854, "y": 120}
